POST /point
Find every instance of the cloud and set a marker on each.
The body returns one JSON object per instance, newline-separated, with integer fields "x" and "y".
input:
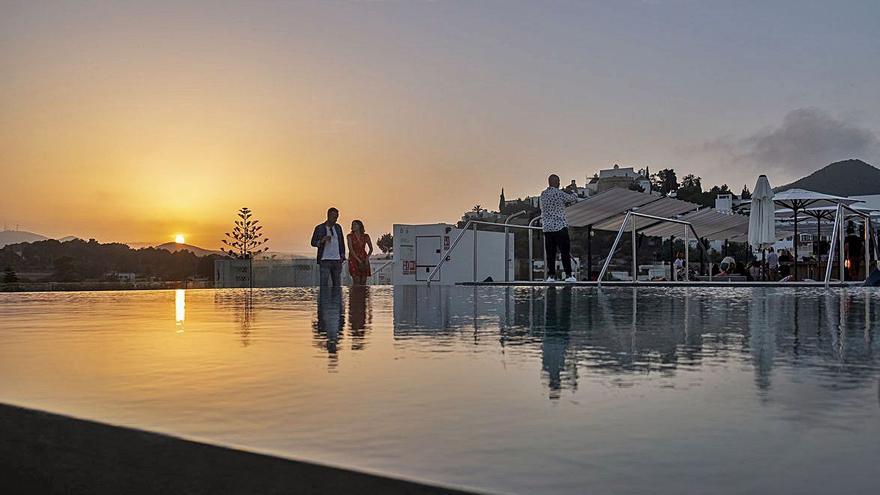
{"x": 806, "y": 140}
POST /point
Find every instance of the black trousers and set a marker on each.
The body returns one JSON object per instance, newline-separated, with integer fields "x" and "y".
{"x": 560, "y": 241}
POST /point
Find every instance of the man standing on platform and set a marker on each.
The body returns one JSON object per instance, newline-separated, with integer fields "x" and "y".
{"x": 555, "y": 226}
{"x": 328, "y": 238}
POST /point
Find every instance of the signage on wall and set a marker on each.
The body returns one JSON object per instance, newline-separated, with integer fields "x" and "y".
{"x": 409, "y": 267}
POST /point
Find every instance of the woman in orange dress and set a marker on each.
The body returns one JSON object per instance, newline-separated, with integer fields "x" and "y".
{"x": 359, "y": 255}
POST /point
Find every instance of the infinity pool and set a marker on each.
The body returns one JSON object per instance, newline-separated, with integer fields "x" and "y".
{"x": 510, "y": 390}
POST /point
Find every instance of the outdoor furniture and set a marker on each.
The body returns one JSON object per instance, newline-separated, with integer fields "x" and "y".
{"x": 722, "y": 278}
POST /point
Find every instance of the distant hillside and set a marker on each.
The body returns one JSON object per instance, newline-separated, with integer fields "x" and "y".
{"x": 17, "y": 236}
{"x": 175, "y": 247}
{"x": 846, "y": 178}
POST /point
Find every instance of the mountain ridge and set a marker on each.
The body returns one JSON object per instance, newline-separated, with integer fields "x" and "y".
{"x": 851, "y": 177}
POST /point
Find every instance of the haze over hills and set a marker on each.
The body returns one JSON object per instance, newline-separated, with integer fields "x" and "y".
{"x": 844, "y": 178}
{"x": 16, "y": 236}
{"x": 175, "y": 247}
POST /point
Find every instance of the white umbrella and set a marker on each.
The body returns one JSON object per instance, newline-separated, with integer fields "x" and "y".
{"x": 762, "y": 221}
{"x": 799, "y": 200}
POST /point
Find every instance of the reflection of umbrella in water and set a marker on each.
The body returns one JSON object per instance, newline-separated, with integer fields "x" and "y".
{"x": 762, "y": 337}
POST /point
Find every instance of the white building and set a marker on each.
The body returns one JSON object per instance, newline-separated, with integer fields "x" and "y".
{"x": 418, "y": 249}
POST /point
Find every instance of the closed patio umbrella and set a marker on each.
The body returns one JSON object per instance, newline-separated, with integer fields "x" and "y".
{"x": 762, "y": 219}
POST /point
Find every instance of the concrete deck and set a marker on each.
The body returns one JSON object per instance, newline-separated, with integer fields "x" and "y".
{"x": 42, "y": 452}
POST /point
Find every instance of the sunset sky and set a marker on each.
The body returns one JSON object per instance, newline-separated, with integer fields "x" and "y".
{"x": 134, "y": 121}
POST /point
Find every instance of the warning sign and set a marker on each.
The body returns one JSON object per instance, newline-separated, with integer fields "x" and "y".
{"x": 409, "y": 267}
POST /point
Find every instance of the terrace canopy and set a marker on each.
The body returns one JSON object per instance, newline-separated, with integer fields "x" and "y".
{"x": 709, "y": 223}
{"x": 606, "y": 210}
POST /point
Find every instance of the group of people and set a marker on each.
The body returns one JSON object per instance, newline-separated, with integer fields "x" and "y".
{"x": 328, "y": 238}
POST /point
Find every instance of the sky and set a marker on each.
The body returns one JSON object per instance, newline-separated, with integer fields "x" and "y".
{"x": 135, "y": 121}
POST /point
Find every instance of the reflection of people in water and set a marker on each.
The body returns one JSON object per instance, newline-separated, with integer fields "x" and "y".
{"x": 330, "y": 321}
{"x": 359, "y": 315}
{"x": 557, "y": 324}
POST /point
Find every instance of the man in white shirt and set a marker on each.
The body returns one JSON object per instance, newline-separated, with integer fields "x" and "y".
{"x": 328, "y": 238}
{"x": 553, "y": 203}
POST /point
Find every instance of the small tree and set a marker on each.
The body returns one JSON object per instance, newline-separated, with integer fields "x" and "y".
{"x": 246, "y": 239}
{"x": 9, "y": 276}
{"x": 665, "y": 181}
{"x": 386, "y": 243}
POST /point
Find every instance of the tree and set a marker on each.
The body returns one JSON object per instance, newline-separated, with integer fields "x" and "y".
{"x": 385, "y": 243}
{"x": 636, "y": 187}
{"x": 665, "y": 181}
{"x": 746, "y": 194}
{"x": 9, "y": 276}
{"x": 477, "y": 208}
{"x": 65, "y": 269}
{"x": 246, "y": 239}
{"x": 501, "y": 202}
{"x": 691, "y": 189}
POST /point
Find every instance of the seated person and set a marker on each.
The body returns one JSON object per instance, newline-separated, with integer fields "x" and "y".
{"x": 728, "y": 265}
{"x": 785, "y": 273}
{"x": 785, "y": 257}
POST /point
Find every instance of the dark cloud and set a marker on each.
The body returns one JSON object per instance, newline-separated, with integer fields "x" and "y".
{"x": 807, "y": 139}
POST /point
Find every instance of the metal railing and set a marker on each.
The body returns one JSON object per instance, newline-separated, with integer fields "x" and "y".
{"x": 837, "y": 238}
{"x": 473, "y": 224}
{"x": 630, "y": 219}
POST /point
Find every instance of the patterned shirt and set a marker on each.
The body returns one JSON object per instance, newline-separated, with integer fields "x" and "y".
{"x": 553, "y": 203}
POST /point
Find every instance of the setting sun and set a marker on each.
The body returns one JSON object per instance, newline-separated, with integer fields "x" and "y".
{"x": 179, "y": 239}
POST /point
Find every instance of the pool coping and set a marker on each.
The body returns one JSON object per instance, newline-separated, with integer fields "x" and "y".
{"x": 44, "y": 452}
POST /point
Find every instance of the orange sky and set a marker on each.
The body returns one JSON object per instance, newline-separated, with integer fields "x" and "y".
{"x": 133, "y": 121}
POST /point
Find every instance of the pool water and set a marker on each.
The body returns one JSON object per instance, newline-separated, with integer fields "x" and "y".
{"x": 504, "y": 390}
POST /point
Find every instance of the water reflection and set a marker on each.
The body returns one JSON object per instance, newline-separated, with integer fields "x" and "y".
{"x": 360, "y": 316}
{"x": 626, "y": 334}
{"x": 179, "y": 309}
{"x": 329, "y": 323}
{"x": 241, "y": 303}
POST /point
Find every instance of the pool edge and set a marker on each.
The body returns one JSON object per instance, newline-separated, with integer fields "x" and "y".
{"x": 45, "y": 452}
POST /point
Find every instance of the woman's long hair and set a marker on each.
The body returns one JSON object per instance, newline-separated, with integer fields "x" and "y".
{"x": 360, "y": 224}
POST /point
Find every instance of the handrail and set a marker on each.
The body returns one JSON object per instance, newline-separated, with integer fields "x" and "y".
{"x": 507, "y": 244}
{"x": 837, "y": 235}
{"x": 458, "y": 239}
{"x": 628, "y": 218}
{"x": 531, "y": 254}
{"x": 834, "y": 236}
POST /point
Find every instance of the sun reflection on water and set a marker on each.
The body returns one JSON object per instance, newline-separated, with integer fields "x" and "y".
{"x": 179, "y": 308}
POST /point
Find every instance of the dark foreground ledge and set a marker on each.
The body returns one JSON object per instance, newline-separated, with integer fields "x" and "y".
{"x": 48, "y": 453}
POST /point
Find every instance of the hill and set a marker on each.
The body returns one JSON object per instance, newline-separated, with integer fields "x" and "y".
{"x": 174, "y": 247}
{"x": 17, "y": 236}
{"x": 846, "y": 178}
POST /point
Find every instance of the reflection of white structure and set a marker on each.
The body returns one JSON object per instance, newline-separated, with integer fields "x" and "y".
{"x": 298, "y": 272}
{"x": 419, "y": 248}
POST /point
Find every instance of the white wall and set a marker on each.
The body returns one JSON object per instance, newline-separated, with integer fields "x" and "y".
{"x": 419, "y": 248}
